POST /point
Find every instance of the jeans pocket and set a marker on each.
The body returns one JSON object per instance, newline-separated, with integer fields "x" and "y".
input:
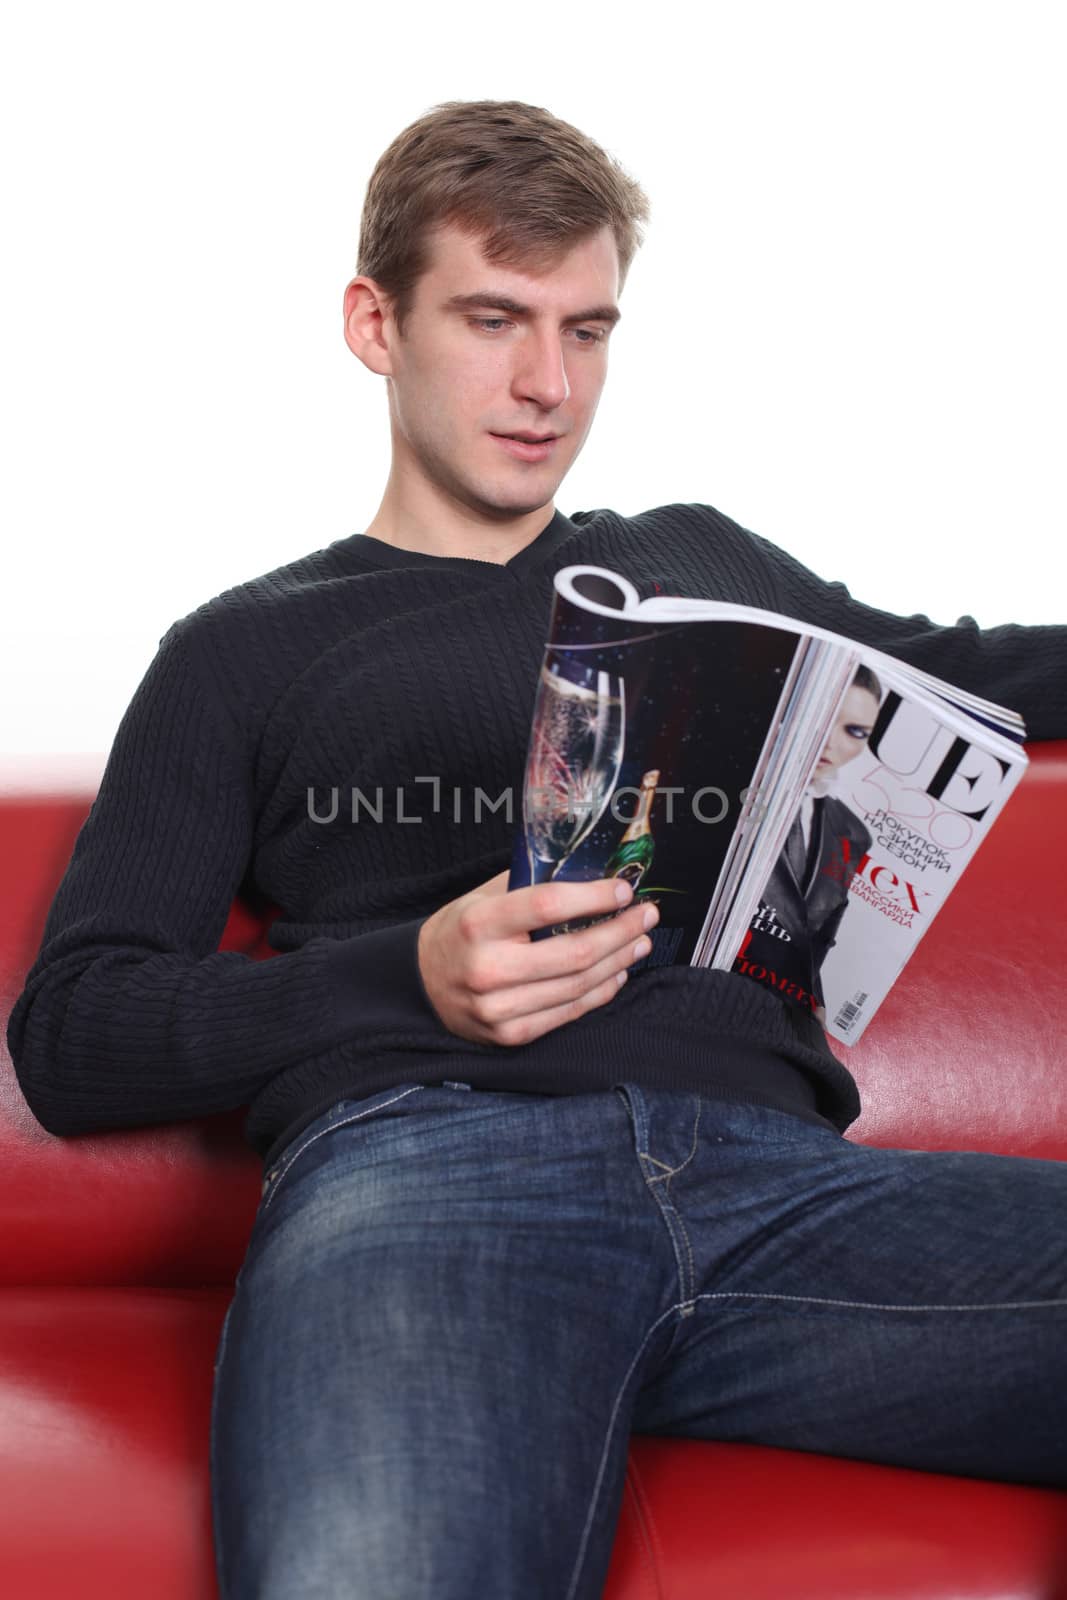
{"x": 340, "y": 1115}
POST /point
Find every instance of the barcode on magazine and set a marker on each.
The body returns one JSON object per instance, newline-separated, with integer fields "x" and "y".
{"x": 849, "y": 1012}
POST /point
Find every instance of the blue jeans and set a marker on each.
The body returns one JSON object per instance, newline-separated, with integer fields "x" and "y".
{"x": 456, "y": 1305}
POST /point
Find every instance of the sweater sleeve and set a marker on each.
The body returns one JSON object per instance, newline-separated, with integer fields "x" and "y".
{"x": 131, "y": 1014}
{"x": 1022, "y": 668}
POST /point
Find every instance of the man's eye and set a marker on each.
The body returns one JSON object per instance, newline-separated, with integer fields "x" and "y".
{"x": 854, "y": 730}
{"x": 586, "y": 336}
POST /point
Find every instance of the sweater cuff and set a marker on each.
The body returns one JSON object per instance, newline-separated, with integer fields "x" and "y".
{"x": 376, "y": 983}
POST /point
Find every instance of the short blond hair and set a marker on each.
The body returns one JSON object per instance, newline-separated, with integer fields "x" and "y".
{"x": 527, "y": 185}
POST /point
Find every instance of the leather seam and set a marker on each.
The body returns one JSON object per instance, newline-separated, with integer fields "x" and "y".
{"x": 646, "y": 1523}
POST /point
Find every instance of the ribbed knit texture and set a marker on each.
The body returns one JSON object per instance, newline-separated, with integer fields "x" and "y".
{"x": 359, "y": 667}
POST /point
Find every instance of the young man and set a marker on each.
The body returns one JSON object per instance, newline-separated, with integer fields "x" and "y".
{"x": 513, "y": 1206}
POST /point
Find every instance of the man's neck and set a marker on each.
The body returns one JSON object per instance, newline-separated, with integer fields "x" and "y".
{"x": 455, "y": 531}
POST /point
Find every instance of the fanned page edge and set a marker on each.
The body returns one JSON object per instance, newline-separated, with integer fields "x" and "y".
{"x": 1000, "y": 728}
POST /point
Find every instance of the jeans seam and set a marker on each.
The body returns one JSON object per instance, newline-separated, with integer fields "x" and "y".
{"x": 669, "y": 1211}
{"x": 595, "y": 1496}
{"x": 669, "y": 1172}
{"x": 871, "y": 1305}
{"x": 343, "y": 1122}
{"x": 216, "y": 1519}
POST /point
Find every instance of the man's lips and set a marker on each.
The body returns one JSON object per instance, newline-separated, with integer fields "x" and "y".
{"x": 526, "y": 446}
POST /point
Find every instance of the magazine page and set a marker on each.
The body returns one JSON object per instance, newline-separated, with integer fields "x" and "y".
{"x": 999, "y": 719}
{"x": 901, "y": 796}
{"x": 945, "y": 697}
{"x": 820, "y": 677}
{"x": 647, "y": 740}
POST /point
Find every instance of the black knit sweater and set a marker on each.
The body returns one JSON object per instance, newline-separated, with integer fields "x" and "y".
{"x": 365, "y": 667}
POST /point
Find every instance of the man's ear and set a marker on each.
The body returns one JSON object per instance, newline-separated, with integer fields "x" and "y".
{"x": 366, "y": 310}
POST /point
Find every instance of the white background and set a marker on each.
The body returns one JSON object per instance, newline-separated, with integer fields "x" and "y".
{"x": 846, "y": 329}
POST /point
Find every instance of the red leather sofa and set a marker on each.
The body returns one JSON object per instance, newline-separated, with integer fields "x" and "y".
{"x": 119, "y": 1251}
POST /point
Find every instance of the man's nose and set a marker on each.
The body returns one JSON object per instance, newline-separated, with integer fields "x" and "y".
{"x": 542, "y": 374}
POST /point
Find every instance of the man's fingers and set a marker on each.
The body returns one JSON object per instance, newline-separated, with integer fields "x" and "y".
{"x": 570, "y": 987}
{"x": 521, "y": 1029}
{"x": 571, "y": 960}
{"x": 499, "y": 985}
{"x": 492, "y": 886}
{"x": 543, "y": 905}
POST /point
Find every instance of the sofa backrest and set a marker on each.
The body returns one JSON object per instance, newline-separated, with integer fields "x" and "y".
{"x": 966, "y": 1053}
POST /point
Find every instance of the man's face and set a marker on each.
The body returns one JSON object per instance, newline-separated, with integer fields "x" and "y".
{"x": 490, "y": 352}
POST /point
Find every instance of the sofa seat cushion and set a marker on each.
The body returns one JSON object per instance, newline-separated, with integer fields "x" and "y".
{"x": 105, "y": 1402}
{"x": 105, "y": 1409}
{"x": 745, "y": 1522}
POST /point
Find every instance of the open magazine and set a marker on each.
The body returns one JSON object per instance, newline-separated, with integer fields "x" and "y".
{"x": 797, "y": 805}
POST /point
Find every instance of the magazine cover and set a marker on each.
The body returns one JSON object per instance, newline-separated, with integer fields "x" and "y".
{"x": 798, "y": 807}
{"x": 895, "y": 809}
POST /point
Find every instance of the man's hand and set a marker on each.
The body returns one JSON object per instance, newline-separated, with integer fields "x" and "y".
{"x": 488, "y": 981}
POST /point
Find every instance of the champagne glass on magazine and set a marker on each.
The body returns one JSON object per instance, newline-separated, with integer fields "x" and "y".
{"x": 576, "y": 749}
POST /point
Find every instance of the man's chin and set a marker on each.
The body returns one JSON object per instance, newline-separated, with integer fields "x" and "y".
{"x": 508, "y": 505}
